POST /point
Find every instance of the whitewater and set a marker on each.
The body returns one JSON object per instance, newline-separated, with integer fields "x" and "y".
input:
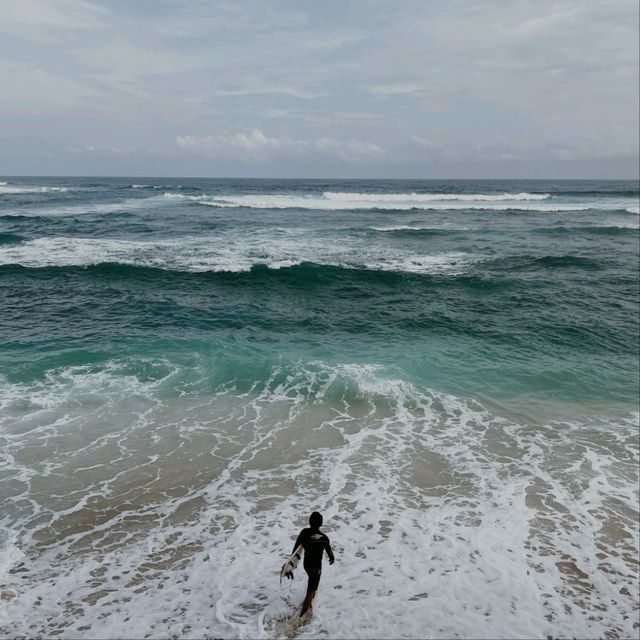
{"x": 447, "y": 370}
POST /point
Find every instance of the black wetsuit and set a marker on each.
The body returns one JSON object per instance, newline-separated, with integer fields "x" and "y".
{"x": 314, "y": 543}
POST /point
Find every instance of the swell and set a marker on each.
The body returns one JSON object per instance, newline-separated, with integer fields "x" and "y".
{"x": 390, "y": 208}
{"x": 495, "y": 273}
{"x": 305, "y": 274}
{"x": 407, "y": 231}
{"x": 599, "y": 193}
{"x": 503, "y": 308}
{"x": 561, "y": 261}
{"x": 596, "y": 231}
{"x": 71, "y": 208}
{"x": 558, "y": 261}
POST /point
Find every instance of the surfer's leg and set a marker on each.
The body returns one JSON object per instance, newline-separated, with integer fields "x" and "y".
{"x": 306, "y": 605}
{"x": 312, "y": 587}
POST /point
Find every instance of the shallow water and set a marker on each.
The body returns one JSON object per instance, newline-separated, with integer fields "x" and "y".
{"x": 448, "y": 370}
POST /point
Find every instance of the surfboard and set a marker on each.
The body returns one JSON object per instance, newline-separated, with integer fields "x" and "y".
{"x": 289, "y": 566}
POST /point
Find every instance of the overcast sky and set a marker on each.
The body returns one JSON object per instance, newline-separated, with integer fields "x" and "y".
{"x": 326, "y": 88}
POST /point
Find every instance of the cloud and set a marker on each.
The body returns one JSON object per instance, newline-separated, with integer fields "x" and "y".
{"x": 331, "y": 82}
{"x": 255, "y": 145}
{"x": 44, "y": 19}
{"x": 398, "y": 88}
{"x": 89, "y": 148}
{"x": 33, "y": 89}
{"x": 255, "y": 86}
{"x": 425, "y": 143}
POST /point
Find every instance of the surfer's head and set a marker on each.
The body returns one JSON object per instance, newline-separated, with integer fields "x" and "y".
{"x": 315, "y": 520}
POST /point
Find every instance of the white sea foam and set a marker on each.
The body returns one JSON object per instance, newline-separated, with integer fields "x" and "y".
{"x": 451, "y": 263}
{"x": 170, "y": 195}
{"x": 155, "y": 186}
{"x": 406, "y": 227}
{"x": 633, "y": 210}
{"x": 280, "y": 201}
{"x": 5, "y": 189}
{"x": 90, "y": 208}
{"x": 141, "y": 513}
{"x": 229, "y": 252}
{"x": 347, "y": 201}
{"x": 401, "y": 227}
{"x": 351, "y": 197}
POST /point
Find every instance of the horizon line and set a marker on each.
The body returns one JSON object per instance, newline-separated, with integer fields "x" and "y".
{"x": 197, "y": 177}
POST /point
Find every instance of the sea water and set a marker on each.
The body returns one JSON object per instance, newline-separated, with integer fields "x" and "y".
{"x": 447, "y": 370}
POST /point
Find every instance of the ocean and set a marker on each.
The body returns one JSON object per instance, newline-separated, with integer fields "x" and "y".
{"x": 447, "y": 370}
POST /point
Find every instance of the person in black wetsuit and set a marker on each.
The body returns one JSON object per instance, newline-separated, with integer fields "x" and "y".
{"x": 314, "y": 543}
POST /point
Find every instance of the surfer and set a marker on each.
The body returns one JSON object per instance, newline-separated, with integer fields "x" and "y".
{"x": 314, "y": 543}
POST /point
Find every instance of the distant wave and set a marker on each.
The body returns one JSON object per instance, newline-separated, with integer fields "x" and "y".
{"x": 160, "y": 186}
{"x": 408, "y": 230}
{"x": 90, "y": 208}
{"x": 342, "y": 196}
{"x": 635, "y": 210}
{"x": 181, "y": 196}
{"x": 282, "y": 201}
{"x": 406, "y": 227}
{"x": 7, "y": 189}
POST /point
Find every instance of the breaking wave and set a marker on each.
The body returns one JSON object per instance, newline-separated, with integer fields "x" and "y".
{"x": 345, "y": 196}
{"x": 5, "y": 188}
{"x": 198, "y": 254}
{"x": 389, "y": 202}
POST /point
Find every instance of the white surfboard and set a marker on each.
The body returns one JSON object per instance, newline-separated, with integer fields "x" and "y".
{"x": 289, "y": 566}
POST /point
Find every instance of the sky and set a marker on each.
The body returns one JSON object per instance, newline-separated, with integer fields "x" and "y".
{"x": 329, "y": 88}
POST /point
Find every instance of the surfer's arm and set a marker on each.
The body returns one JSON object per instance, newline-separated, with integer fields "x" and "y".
{"x": 327, "y": 548}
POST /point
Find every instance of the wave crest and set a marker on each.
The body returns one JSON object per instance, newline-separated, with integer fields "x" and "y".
{"x": 372, "y": 202}
{"x": 7, "y": 189}
{"x": 342, "y": 196}
{"x": 198, "y": 254}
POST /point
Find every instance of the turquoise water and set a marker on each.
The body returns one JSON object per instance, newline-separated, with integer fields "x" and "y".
{"x": 515, "y": 302}
{"x": 182, "y": 338}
